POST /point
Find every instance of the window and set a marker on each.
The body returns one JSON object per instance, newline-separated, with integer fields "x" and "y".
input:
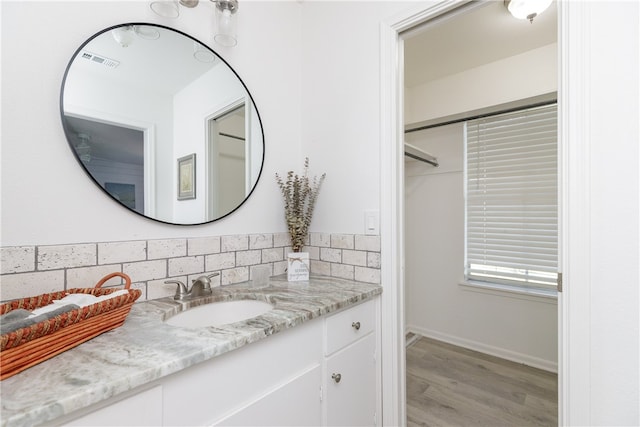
{"x": 512, "y": 199}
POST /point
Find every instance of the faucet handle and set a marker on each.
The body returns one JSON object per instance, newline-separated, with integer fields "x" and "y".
{"x": 206, "y": 280}
{"x": 181, "y": 290}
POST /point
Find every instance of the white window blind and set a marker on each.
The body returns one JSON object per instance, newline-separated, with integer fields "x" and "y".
{"x": 512, "y": 198}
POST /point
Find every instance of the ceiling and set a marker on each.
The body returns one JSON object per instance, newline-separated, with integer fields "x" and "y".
{"x": 464, "y": 40}
{"x": 157, "y": 60}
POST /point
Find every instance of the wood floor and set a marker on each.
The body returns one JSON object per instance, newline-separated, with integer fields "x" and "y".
{"x": 453, "y": 386}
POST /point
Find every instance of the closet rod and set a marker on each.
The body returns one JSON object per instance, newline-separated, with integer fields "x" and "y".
{"x": 418, "y": 154}
{"x": 509, "y": 107}
{"x": 228, "y": 135}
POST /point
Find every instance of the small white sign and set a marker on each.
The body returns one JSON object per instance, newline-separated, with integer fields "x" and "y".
{"x": 298, "y": 266}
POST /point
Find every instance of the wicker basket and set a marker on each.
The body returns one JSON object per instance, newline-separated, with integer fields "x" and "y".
{"x": 31, "y": 345}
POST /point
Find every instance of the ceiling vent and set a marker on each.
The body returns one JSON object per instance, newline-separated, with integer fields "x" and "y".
{"x": 110, "y": 63}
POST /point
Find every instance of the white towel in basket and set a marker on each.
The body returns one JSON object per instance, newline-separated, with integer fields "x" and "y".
{"x": 81, "y": 300}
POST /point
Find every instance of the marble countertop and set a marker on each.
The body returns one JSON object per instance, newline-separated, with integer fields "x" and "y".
{"x": 145, "y": 348}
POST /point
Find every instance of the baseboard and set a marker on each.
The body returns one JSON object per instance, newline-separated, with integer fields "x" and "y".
{"x": 410, "y": 340}
{"x": 525, "y": 359}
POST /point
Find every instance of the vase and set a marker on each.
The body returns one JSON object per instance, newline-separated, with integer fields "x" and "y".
{"x": 298, "y": 266}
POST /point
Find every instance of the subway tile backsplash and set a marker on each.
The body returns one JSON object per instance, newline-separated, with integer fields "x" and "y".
{"x": 32, "y": 270}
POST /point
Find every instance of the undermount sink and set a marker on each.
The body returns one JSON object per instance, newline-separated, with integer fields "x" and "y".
{"x": 219, "y": 313}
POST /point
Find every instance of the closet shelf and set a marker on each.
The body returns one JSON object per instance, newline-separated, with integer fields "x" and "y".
{"x": 418, "y": 154}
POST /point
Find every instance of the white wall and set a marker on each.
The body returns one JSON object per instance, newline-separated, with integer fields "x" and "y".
{"x": 524, "y": 329}
{"x": 517, "y": 77}
{"x": 315, "y": 66}
{"x": 294, "y": 89}
{"x": 39, "y": 38}
{"x": 341, "y": 107}
{"x": 601, "y": 160}
{"x": 192, "y": 106}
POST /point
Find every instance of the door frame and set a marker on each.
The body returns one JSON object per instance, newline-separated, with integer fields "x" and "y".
{"x": 392, "y": 203}
{"x": 148, "y": 130}
{"x": 211, "y": 154}
{"x": 574, "y": 239}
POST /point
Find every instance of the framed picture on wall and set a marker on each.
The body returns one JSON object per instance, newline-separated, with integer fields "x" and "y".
{"x": 187, "y": 177}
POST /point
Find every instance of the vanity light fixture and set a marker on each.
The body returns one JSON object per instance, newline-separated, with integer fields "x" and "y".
{"x": 526, "y": 9}
{"x": 124, "y": 36}
{"x": 166, "y": 8}
{"x": 226, "y": 16}
{"x": 226, "y": 22}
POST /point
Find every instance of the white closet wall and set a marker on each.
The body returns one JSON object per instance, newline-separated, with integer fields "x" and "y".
{"x": 508, "y": 325}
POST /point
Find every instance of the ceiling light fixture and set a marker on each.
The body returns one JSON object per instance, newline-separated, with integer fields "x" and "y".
{"x": 226, "y": 16}
{"x": 526, "y": 9}
{"x": 83, "y": 148}
{"x": 202, "y": 54}
{"x": 124, "y": 35}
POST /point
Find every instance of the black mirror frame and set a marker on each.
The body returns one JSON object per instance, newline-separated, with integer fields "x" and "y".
{"x": 67, "y": 131}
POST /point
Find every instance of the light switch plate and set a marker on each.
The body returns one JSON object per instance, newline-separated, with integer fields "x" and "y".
{"x": 372, "y": 222}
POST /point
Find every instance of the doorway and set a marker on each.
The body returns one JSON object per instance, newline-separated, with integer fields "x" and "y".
{"x": 393, "y": 227}
{"x": 440, "y": 303}
{"x": 227, "y": 161}
{"x": 116, "y": 156}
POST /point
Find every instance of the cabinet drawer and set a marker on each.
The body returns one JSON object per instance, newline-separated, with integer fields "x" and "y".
{"x": 345, "y": 327}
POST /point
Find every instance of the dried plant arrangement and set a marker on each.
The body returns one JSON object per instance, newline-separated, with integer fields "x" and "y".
{"x": 300, "y": 194}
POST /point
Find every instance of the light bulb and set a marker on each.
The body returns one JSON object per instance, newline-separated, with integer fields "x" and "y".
{"x": 226, "y": 22}
{"x": 123, "y": 35}
{"x": 165, "y": 8}
{"x": 527, "y": 9}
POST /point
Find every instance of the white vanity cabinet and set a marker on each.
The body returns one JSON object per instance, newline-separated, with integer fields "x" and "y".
{"x": 124, "y": 412}
{"x": 294, "y": 403}
{"x": 347, "y": 391}
{"x": 283, "y": 380}
{"x": 350, "y": 367}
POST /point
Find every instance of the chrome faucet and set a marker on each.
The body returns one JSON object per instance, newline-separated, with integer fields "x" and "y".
{"x": 199, "y": 287}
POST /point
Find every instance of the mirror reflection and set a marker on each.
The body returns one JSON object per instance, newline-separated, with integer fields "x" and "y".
{"x": 162, "y": 124}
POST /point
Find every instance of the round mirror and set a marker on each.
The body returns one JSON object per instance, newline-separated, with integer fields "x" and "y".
{"x": 162, "y": 124}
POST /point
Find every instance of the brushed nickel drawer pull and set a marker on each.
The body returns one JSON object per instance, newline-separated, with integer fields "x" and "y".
{"x": 336, "y": 377}
{"x": 356, "y": 325}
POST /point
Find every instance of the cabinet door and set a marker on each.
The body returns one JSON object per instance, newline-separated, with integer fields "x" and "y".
{"x": 296, "y": 403}
{"x": 351, "y": 397}
{"x": 141, "y": 409}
